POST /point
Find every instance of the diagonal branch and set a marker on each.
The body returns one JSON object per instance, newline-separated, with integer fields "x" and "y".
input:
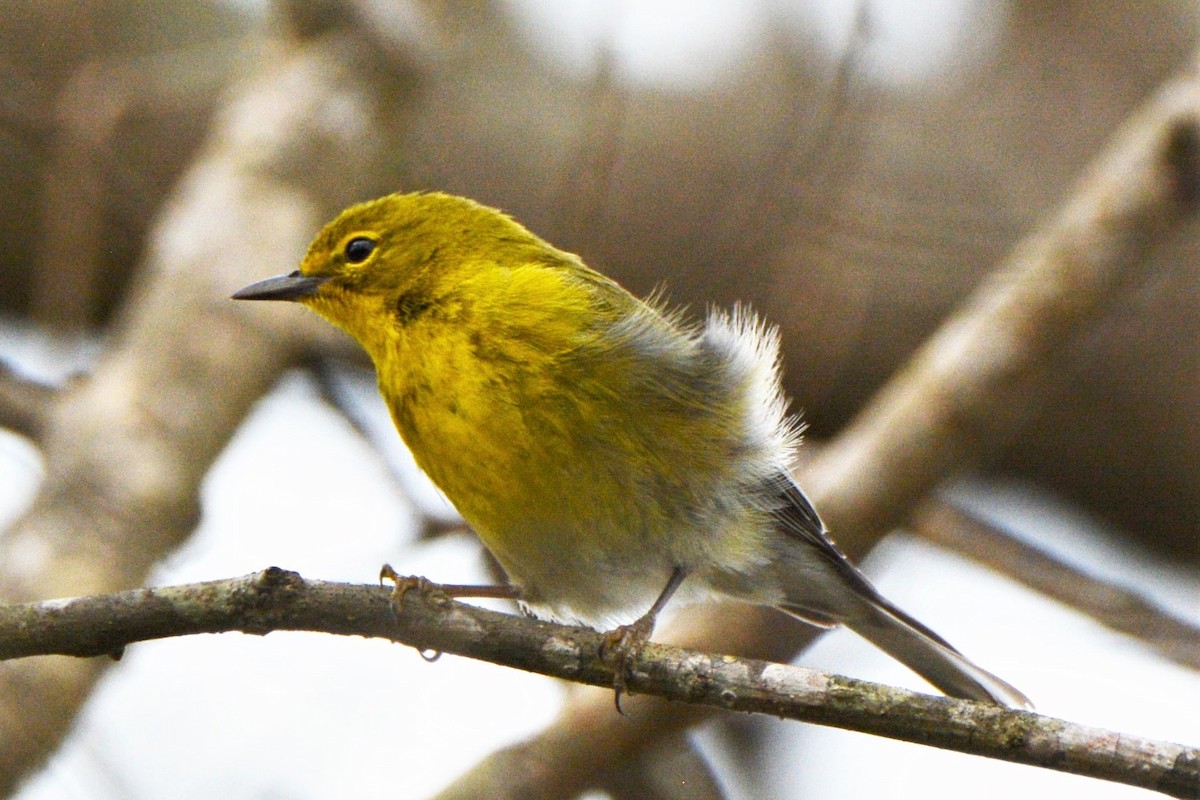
{"x": 1114, "y": 606}
{"x": 979, "y": 378}
{"x": 968, "y": 390}
{"x": 126, "y": 447}
{"x": 275, "y": 599}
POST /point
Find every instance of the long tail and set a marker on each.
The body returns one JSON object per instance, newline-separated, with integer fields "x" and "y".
{"x": 924, "y": 652}
{"x": 824, "y": 588}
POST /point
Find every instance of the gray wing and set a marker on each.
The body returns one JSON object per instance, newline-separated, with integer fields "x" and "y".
{"x": 798, "y": 519}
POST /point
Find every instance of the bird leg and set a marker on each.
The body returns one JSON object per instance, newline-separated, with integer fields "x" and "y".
{"x": 405, "y": 583}
{"x": 623, "y": 643}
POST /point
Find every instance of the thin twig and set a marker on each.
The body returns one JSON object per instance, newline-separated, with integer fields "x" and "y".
{"x": 275, "y": 599}
{"x": 1118, "y": 608}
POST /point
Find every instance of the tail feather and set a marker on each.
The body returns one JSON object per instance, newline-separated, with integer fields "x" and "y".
{"x": 822, "y": 587}
{"x": 931, "y": 657}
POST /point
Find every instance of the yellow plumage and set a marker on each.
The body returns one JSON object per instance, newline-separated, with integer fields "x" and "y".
{"x": 601, "y": 448}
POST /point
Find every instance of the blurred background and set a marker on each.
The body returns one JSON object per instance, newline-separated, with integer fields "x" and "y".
{"x": 853, "y": 170}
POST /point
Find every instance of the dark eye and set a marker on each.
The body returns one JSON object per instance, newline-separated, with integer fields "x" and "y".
{"x": 358, "y": 249}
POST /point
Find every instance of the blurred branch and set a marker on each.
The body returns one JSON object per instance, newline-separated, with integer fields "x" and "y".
{"x": 275, "y": 599}
{"x": 974, "y": 383}
{"x": 813, "y": 144}
{"x": 977, "y": 379}
{"x": 588, "y": 181}
{"x": 89, "y": 173}
{"x": 124, "y": 454}
{"x": 126, "y": 449}
{"x": 1118, "y": 608}
{"x": 24, "y": 404}
{"x": 672, "y": 770}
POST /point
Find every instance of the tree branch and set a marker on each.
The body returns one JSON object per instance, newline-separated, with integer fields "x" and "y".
{"x": 126, "y": 447}
{"x": 981, "y": 377}
{"x": 1114, "y": 606}
{"x": 275, "y": 599}
{"x": 973, "y": 385}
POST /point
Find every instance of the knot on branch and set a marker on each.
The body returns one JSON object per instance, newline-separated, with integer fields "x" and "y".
{"x": 266, "y": 598}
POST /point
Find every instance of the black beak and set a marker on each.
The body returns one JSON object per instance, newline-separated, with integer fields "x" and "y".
{"x": 282, "y": 287}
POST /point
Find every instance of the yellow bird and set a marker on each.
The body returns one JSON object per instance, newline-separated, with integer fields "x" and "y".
{"x": 608, "y": 454}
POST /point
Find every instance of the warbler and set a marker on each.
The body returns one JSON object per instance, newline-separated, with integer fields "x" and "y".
{"x": 608, "y": 453}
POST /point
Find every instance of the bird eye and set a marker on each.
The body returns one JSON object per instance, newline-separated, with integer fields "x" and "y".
{"x": 358, "y": 249}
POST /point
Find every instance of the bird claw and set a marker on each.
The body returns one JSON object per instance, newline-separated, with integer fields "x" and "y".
{"x": 620, "y": 647}
{"x": 403, "y": 584}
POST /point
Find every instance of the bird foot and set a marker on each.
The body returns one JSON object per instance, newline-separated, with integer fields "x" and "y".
{"x": 620, "y": 647}
{"x": 403, "y": 584}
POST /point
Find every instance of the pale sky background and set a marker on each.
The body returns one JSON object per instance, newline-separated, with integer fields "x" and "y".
{"x": 308, "y": 716}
